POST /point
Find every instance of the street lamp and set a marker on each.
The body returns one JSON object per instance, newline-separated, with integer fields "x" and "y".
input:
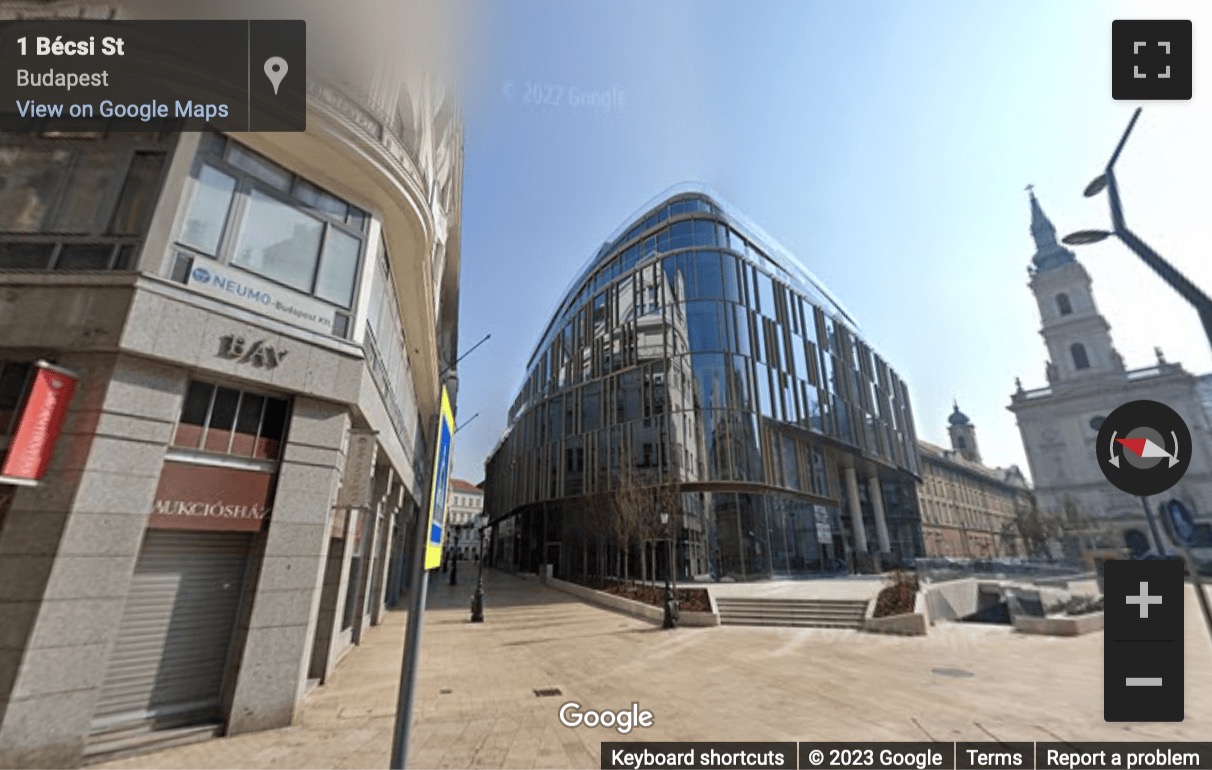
{"x": 477, "y": 599}
{"x": 1177, "y": 281}
{"x": 454, "y": 558}
{"x": 671, "y": 604}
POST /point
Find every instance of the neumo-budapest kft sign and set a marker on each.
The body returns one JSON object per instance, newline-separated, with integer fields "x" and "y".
{"x": 34, "y": 439}
{"x": 205, "y": 497}
{"x": 251, "y": 293}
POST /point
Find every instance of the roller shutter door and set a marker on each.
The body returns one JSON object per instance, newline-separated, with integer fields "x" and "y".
{"x": 167, "y": 665}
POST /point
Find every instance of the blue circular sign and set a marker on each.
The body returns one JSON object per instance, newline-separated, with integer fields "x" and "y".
{"x": 201, "y": 275}
{"x": 1182, "y": 523}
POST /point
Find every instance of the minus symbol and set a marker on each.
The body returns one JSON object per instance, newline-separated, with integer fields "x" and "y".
{"x": 1143, "y": 681}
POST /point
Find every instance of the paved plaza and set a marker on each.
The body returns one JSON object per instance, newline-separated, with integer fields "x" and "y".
{"x": 476, "y": 705}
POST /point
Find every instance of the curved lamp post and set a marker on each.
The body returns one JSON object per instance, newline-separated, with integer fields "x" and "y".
{"x": 477, "y": 599}
{"x": 671, "y": 604}
{"x": 1106, "y": 181}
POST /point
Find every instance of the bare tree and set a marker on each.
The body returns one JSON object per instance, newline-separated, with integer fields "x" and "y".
{"x": 1035, "y": 528}
{"x": 630, "y": 503}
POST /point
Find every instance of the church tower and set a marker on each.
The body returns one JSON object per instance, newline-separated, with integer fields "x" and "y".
{"x": 963, "y": 435}
{"x": 1077, "y": 336}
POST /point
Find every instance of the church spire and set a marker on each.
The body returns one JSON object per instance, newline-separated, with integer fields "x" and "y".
{"x": 1041, "y": 227}
{"x": 1048, "y": 252}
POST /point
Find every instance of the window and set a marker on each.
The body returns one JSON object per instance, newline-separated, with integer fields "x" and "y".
{"x": 1063, "y": 305}
{"x": 14, "y": 383}
{"x": 224, "y": 420}
{"x": 1080, "y": 359}
{"x": 256, "y": 215}
{"x": 76, "y": 204}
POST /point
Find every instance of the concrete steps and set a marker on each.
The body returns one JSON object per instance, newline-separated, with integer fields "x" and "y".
{"x": 805, "y": 613}
{"x": 128, "y": 743}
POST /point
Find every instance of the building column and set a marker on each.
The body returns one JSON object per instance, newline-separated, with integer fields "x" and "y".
{"x": 68, "y": 550}
{"x": 877, "y": 504}
{"x": 371, "y": 547}
{"x": 274, "y": 661}
{"x": 856, "y": 510}
{"x": 385, "y": 558}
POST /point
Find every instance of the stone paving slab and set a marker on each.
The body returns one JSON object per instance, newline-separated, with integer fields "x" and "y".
{"x": 961, "y": 682}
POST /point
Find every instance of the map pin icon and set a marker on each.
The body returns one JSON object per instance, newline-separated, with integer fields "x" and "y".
{"x": 275, "y": 70}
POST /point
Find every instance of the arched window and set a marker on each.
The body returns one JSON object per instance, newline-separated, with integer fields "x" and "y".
{"x": 1080, "y": 359}
{"x": 961, "y": 442}
{"x": 1063, "y": 304}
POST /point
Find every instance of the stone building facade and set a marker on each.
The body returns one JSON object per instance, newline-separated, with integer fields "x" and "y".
{"x": 970, "y": 510}
{"x": 260, "y": 325}
{"x": 1087, "y": 379}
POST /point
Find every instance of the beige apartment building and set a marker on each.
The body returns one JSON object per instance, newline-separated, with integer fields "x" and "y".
{"x": 970, "y": 510}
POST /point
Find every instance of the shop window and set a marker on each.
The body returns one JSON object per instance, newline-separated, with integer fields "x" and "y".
{"x": 76, "y": 204}
{"x": 222, "y": 420}
{"x": 248, "y": 211}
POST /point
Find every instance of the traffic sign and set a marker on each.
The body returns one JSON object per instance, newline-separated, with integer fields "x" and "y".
{"x": 1179, "y": 522}
{"x": 441, "y": 482}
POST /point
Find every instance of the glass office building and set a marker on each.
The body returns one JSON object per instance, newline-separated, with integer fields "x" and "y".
{"x": 697, "y": 384}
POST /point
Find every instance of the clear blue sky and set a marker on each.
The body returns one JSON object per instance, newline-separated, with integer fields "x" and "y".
{"x": 886, "y": 144}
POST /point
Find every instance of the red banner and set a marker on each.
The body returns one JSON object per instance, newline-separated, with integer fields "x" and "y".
{"x": 210, "y": 498}
{"x": 34, "y": 439}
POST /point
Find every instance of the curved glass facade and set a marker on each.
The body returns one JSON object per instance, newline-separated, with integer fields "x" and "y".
{"x": 695, "y": 371}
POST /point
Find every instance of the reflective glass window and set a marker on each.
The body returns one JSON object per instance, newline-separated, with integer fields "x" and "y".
{"x": 591, "y": 406}
{"x": 682, "y": 207}
{"x": 710, "y": 282}
{"x": 799, "y": 361}
{"x": 765, "y": 294}
{"x": 279, "y": 241}
{"x": 740, "y": 315}
{"x": 265, "y": 170}
{"x": 703, "y": 322}
{"x": 812, "y": 403}
{"x": 320, "y": 199}
{"x": 742, "y": 383}
{"x": 681, "y": 235}
{"x": 762, "y": 384}
{"x": 732, "y": 287}
{"x": 207, "y": 216}
{"x": 630, "y": 258}
{"x": 32, "y": 176}
{"x": 736, "y": 242}
{"x": 791, "y": 466}
{"x": 704, "y": 232}
{"x": 710, "y": 380}
{"x": 138, "y": 194}
{"x": 338, "y": 268}
{"x": 194, "y": 414}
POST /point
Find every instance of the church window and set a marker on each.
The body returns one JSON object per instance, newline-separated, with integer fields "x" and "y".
{"x": 961, "y": 442}
{"x": 1063, "y": 304}
{"x": 1080, "y": 359}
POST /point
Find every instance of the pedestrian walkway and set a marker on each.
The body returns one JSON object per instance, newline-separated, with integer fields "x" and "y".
{"x": 476, "y": 704}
